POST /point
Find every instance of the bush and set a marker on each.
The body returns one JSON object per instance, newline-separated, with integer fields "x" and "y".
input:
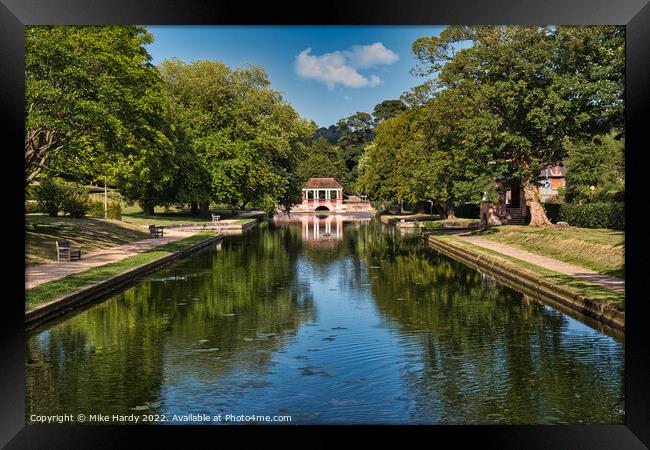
{"x": 467, "y": 211}
{"x": 115, "y": 210}
{"x": 50, "y": 195}
{"x": 593, "y": 215}
{"x": 76, "y": 202}
{"x": 32, "y": 207}
{"x": 96, "y": 209}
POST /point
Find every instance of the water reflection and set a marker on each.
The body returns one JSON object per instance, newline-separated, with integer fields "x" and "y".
{"x": 323, "y": 229}
{"x": 370, "y": 328}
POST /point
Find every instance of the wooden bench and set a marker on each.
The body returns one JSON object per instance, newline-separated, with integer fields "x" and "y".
{"x": 155, "y": 232}
{"x": 65, "y": 251}
{"x": 216, "y": 218}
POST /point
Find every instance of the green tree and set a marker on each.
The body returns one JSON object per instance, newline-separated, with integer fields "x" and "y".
{"x": 355, "y": 129}
{"x": 595, "y": 169}
{"x": 322, "y": 161}
{"x": 540, "y": 83}
{"x": 438, "y": 152}
{"x": 248, "y": 139}
{"x": 330, "y": 134}
{"x": 91, "y": 97}
{"x": 459, "y": 144}
{"x": 388, "y": 109}
{"x": 391, "y": 168}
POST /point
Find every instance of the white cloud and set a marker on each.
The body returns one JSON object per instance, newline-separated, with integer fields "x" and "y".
{"x": 340, "y": 67}
{"x": 365, "y": 56}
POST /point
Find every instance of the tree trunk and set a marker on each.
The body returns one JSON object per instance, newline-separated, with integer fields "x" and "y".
{"x": 441, "y": 210}
{"x": 537, "y": 213}
{"x": 449, "y": 212}
{"x": 194, "y": 208}
{"x": 204, "y": 209}
{"x": 148, "y": 209}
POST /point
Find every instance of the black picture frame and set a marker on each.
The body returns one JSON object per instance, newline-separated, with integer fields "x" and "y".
{"x": 635, "y": 14}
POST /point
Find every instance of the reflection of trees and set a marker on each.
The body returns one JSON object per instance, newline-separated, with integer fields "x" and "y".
{"x": 114, "y": 356}
{"x": 490, "y": 356}
{"x": 107, "y": 359}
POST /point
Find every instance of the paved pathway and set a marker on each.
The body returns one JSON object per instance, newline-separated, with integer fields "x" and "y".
{"x": 42, "y": 273}
{"x": 614, "y": 283}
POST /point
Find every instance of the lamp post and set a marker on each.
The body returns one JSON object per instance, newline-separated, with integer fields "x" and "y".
{"x": 105, "y": 199}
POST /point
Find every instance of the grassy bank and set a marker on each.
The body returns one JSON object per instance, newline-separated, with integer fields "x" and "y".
{"x": 52, "y": 290}
{"x": 450, "y": 223}
{"x": 584, "y": 288}
{"x": 92, "y": 234}
{"x": 596, "y": 249}
{"x": 173, "y": 216}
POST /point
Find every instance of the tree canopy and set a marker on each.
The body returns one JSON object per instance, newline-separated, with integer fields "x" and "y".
{"x": 541, "y": 84}
{"x": 92, "y": 96}
{"x": 247, "y": 138}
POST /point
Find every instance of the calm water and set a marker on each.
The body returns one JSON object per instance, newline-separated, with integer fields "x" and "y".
{"x": 337, "y": 322}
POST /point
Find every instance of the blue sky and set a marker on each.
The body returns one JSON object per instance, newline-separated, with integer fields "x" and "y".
{"x": 325, "y": 72}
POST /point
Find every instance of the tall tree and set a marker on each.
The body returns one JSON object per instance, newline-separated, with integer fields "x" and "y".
{"x": 92, "y": 96}
{"x": 388, "y": 109}
{"x": 322, "y": 161}
{"x": 391, "y": 168}
{"x": 459, "y": 143}
{"x": 330, "y": 134}
{"x": 541, "y": 84}
{"x": 246, "y": 136}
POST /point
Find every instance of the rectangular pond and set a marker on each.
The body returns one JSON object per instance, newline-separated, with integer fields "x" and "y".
{"x": 330, "y": 320}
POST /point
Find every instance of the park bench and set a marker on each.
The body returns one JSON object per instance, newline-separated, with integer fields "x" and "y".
{"x": 155, "y": 231}
{"x": 216, "y": 218}
{"x": 65, "y": 251}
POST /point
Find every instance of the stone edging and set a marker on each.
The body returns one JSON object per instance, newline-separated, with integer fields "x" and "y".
{"x": 522, "y": 281}
{"x": 43, "y": 313}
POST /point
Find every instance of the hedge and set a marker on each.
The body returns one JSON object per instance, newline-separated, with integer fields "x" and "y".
{"x": 592, "y": 215}
{"x": 32, "y": 207}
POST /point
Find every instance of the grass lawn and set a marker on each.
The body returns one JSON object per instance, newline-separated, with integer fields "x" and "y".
{"x": 92, "y": 234}
{"x": 173, "y": 216}
{"x": 585, "y": 288}
{"x": 52, "y": 290}
{"x": 596, "y": 249}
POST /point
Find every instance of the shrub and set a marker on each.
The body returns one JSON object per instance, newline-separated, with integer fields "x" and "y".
{"x": 115, "y": 210}
{"x": 594, "y": 215}
{"x": 76, "y": 202}
{"x": 96, "y": 209}
{"x": 32, "y": 207}
{"x": 50, "y": 195}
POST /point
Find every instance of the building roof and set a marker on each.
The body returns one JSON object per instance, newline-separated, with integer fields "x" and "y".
{"x": 557, "y": 171}
{"x": 323, "y": 183}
